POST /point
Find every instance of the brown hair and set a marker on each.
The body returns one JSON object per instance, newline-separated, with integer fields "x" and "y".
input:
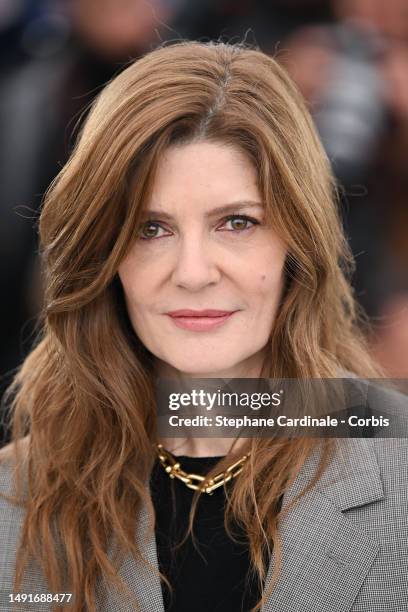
{"x": 83, "y": 400}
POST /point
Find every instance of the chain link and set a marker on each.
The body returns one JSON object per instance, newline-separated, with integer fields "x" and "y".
{"x": 196, "y": 481}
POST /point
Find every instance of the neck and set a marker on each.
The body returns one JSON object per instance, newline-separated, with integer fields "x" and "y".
{"x": 208, "y": 447}
{"x": 203, "y": 447}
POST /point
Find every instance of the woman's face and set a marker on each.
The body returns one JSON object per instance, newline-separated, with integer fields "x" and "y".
{"x": 204, "y": 245}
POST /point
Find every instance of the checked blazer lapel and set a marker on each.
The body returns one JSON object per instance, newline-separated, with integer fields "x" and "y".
{"x": 325, "y": 557}
{"x": 143, "y": 582}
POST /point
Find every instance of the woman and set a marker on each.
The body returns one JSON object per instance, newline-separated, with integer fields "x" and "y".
{"x": 198, "y": 183}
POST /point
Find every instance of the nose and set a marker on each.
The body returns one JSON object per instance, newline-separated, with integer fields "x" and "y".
{"x": 195, "y": 263}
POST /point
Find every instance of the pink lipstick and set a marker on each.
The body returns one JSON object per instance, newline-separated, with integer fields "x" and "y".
{"x": 200, "y": 320}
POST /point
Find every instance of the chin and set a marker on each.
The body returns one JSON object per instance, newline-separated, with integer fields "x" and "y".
{"x": 197, "y": 369}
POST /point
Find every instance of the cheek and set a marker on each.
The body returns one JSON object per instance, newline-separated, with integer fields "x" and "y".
{"x": 269, "y": 282}
{"x": 135, "y": 281}
{"x": 267, "y": 265}
{"x": 268, "y": 290}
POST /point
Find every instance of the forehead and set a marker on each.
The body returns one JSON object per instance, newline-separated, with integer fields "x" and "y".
{"x": 203, "y": 175}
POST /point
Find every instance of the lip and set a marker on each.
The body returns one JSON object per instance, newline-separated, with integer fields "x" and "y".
{"x": 200, "y": 320}
{"x": 209, "y": 312}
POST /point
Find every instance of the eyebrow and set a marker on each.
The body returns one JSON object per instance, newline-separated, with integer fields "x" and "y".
{"x": 220, "y": 210}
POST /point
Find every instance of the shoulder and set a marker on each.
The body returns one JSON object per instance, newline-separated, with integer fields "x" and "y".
{"x": 12, "y": 517}
{"x": 380, "y": 395}
{"x": 9, "y": 465}
{"x": 7, "y": 453}
{"x": 384, "y": 476}
{"x": 392, "y": 459}
{"x": 382, "y": 400}
{"x": 10, "y": 513}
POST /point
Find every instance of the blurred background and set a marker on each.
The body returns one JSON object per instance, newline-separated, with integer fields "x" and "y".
{"x": 348, "y": 57}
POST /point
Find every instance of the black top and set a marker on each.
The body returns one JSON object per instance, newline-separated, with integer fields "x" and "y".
{"x": 213, "y": 579}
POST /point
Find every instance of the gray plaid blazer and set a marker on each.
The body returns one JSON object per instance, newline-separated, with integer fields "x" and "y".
{"x": 345, "y": 545}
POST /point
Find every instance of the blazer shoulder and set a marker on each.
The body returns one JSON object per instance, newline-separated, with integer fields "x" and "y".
{"x": 12, "y": 516}
{"x": 8, "y": 474}
{"x": 387, "y": 402}
{"x": 392, "y": 459}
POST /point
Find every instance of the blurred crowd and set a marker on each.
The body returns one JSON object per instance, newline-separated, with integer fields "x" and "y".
{"x": 348, "y": 57}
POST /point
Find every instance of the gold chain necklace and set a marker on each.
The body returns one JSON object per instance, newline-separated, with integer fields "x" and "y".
{"x": 195, "y": 481}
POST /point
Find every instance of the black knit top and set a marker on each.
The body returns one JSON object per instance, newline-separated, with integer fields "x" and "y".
{"x": 215, "y": 578}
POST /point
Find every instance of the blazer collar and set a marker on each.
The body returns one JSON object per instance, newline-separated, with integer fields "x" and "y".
{"x": 325, "y": 555}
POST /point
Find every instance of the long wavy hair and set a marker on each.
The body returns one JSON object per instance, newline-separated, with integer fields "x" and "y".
{"x": 82, "y": 405}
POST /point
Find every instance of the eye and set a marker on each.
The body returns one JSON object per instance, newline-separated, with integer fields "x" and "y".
{"x": 148, "y": 230}
{"x": 240, "y": 223}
